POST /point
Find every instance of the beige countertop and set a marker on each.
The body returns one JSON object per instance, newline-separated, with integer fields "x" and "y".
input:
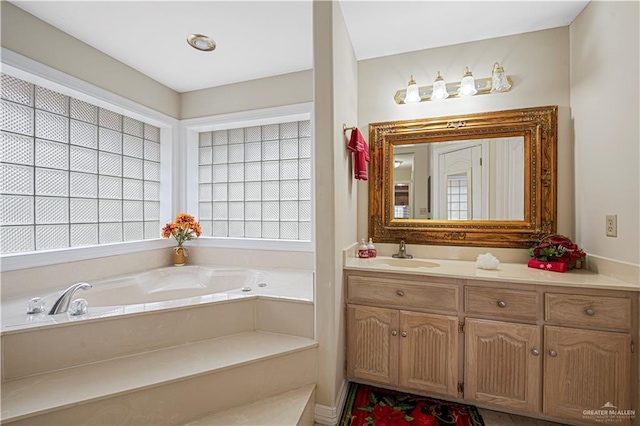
{"x": 506, "y": 272}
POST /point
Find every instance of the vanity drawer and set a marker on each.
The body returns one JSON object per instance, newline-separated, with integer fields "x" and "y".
{"x": 595, "y": 311}
{"x": 502, "y": 303}
{"x": 404, "y": 294}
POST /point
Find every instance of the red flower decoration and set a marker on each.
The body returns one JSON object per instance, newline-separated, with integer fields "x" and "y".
{"x": 423, "y": 419}
{"x": 387, "y": 416}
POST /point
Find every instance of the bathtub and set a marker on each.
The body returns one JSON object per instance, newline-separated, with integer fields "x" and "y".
{"x": 165, "y": 288}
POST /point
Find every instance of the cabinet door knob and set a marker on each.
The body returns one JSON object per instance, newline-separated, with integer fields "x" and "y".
{"x": 394, "y": 333}
{"x": 502, "y": 304}
{"x": 535, "y": 352}
{"x": 400, "y": 293}
{"x": 590, "y": 312}
{"x": 553, "y": 354}
{"x": 404, "y": 334}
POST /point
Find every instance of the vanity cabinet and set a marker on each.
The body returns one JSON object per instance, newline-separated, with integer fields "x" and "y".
{"x": 587, "y": 354}
{"x": 408, "y": 349}
{"x": 502, "y": 363}
{"x": 536, "y": 350}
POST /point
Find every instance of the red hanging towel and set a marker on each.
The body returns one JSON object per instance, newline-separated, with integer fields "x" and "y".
{"x": 359, "y": 147}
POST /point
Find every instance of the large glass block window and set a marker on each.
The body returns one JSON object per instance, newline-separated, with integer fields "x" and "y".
{"x": 457, "y": 197}
{"x": 73, "y": 174}
{"x": 255, "y": 182}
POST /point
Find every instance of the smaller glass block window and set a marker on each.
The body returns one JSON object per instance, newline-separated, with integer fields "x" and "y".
{"x": 255, "y": 182}
{"x": 72, "y": 173}
{"x": 457, "y": 198}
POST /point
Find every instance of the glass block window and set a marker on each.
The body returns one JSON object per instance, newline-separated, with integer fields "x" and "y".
{"x": 457, "y": 197}
{"x": 72, "y": 173}
{"x": 255, "y": 182}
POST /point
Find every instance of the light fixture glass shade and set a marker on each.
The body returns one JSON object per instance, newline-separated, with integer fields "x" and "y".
{"x": 439, "y": 89}
{"x": 499, "y": 82}
{"x": 413, "y": 92}
{"x": 397, "y": 164}
{"x": 467, "y": 85}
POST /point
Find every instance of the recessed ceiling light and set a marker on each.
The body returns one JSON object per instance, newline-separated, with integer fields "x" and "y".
{"x": 201, "y": 42}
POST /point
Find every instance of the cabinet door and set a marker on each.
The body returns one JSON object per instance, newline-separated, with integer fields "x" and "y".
{"x": 502, "y": 364}
{"x": 429, "y": 353}
{"x": 585, "y": 370}
{"x": 372, "y": 344}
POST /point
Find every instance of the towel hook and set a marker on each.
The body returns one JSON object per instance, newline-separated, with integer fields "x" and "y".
{"x": 345, "y": 128}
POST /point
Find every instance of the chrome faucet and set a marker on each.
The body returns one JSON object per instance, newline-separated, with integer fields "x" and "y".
{"x": 62, "y": 304}
{"x": 402, "y": 252}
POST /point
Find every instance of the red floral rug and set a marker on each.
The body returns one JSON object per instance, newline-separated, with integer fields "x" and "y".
{"x": 368, "y": 405}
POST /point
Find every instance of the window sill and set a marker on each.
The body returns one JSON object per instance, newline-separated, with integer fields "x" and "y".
{"x": 17, "y": 261}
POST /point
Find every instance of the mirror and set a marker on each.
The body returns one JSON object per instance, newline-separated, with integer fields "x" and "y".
{"x": 484, "y": 179}
{"x": 473, "y": 179}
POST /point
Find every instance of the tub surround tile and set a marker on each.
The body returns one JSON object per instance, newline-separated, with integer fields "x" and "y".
{"x": 167, "y": 371}
{"x": 286, "y": 409}
{"x": 251, "y": 258}
{"x": 55, "y": 278}
{"x": 94, "y": 341}
{"x": 287, "y": 317}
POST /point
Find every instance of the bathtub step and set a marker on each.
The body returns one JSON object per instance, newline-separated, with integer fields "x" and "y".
{"x": 291, "y": 408}
{"x": 166, "y": 386}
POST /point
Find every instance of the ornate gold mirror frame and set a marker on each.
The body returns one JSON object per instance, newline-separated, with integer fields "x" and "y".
{"x": 537, "y": 125}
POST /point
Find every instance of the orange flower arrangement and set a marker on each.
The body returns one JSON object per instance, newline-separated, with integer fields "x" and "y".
{"x": 185, "y": 228}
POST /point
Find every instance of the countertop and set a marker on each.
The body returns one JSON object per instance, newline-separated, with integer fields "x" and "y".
{"x": 506, "y": 272}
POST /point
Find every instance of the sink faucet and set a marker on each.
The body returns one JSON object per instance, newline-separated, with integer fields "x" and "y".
{"x": 62, "y": 304}
{"x": 402, "y": 252}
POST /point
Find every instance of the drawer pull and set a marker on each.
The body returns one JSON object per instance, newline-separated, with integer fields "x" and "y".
{"x": 400, "y": 293}
{"x": 404, "y": 334}
{"x": 590, "y": 312}
{"x": 553, "y": 354}
{"x": 502, "y": 304}
{"x": 394, "y": 333}
{"x": 535, "y": 352}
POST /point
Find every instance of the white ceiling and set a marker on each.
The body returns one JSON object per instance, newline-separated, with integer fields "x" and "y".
{"x": 257, "y": 39}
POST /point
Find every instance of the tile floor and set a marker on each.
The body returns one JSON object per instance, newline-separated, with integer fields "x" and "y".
{"x": 496, "y": 418}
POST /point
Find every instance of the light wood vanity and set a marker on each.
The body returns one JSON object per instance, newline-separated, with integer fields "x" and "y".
{"x": 542, "y": 350}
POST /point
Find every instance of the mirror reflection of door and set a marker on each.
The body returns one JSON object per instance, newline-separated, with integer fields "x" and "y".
{"x": 403, "y": 196}
{"x": 401, "y": 200}
{"x": 460, "y": 189}
{"x": 496, "y": 187}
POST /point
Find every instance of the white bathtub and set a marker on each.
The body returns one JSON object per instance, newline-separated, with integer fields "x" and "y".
{"x": 165, "y": 288}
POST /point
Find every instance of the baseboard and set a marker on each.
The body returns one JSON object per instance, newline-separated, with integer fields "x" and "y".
{"x": 330, "y": 416}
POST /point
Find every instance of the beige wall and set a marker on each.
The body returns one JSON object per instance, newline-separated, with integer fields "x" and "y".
{"x": 29, "y": 36}
{"x": 285, "y": 89}
{"x": 538, "y": 63}
{"x": 605, "y": 111}
{"x": 335, "y": 103}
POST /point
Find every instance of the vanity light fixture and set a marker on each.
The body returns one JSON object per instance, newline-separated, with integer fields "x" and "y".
{"x": 499, "y": 82}
{"x": 201, "y": 42}
{"x": 397, "y": 164}
{"x": 413, "y": 92}
{"x": 499, "y": 79}
{"x": 468, "y": 84}
{"x": 439, "y": 89}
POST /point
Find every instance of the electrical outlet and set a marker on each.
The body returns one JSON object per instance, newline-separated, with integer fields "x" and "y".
{"x": 423, "y": 211}
{"x": 612, "y": 225}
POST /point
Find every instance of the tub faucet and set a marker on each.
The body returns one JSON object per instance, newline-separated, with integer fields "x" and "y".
{"x": 402, "y": 252}
{"x": 61, "y": 305}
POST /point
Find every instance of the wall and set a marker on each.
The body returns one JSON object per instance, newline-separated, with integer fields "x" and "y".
{"x": 538, "y": 63}
{"x": 335, "y": 103}
{"x": 29, "y": 36}
{"x": 605, "y": 111}
{"x": 285, "y": 89}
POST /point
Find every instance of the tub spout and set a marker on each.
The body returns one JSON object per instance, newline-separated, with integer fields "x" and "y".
{"x": 61, "y": 305}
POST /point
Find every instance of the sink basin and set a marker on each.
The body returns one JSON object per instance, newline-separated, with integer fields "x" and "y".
{"x": 404, "y": 263}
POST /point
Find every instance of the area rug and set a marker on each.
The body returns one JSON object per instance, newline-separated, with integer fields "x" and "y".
{"x": 368, "y": 405}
